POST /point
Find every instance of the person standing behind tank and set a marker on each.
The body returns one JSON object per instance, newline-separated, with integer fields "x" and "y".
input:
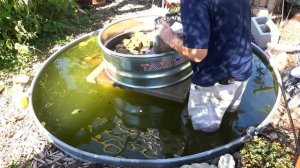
{"x": 218, "y": 44}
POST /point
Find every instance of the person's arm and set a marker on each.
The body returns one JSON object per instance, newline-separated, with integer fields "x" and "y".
{"x": 169, "y": 37}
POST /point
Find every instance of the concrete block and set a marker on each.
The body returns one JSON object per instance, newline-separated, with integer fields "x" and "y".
{"x": 264, "y": 31}
{"x": 260, "y": 11}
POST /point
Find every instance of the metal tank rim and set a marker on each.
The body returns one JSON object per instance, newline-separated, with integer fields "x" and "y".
{"x": 146, "y": 87}
{"x": 169, "y": 162}
{"x": 110, "y": 52}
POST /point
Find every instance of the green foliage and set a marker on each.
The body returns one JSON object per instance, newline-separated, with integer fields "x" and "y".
{"x": 262, "y": 153}
{"x": 174, "y": 9}
{"x": 14, "y": 164}
{"x": 18, "y": 164}
{"x": 23, "y": 21}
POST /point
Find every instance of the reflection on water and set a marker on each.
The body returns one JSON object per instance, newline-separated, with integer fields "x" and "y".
{"x": 140, "y": 116}
{"x": 62, "y": 65}
{"x": 117, "y": 122}
{"x": 260, "y": 79}
{"x": 122, "y": 141}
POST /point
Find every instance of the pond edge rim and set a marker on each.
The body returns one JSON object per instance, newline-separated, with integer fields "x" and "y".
{"x": 96, "y": 158}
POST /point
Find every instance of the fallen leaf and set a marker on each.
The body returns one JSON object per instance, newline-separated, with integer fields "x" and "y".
{"x": 43, "y": 124}
{"x": 24, "y": 102}
{"x": 83, "y": 44}
{"x": 91, "y": 61}
{"x": 87, "y": 58}
{"x": 76, "y": 111}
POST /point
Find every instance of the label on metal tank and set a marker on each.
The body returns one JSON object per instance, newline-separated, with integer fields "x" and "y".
{"x": 165, "y": 64}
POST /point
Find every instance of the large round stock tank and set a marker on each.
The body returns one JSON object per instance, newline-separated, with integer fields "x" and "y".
{"x": 110, "y": 125}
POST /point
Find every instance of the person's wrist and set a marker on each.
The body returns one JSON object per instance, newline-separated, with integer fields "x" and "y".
{"x": 170, "y": 39}
{"x": 174, "y": 40}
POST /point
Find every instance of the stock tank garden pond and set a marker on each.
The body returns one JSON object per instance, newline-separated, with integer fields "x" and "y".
{"x": 109, "y": 124}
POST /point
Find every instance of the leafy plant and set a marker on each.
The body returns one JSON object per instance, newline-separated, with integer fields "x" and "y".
{"x": 260, "y": 152}
{"x": 18, "y": 164}
{"x": 13, "y": 164}
{"x": 23, "y": 21}
{"x": 174, "y": 9}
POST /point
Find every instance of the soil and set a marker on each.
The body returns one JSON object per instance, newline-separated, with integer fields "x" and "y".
{"x": 23, "y": 145}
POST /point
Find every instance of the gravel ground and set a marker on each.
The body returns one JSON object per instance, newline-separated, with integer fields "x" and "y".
{"x": 21, "y": 143}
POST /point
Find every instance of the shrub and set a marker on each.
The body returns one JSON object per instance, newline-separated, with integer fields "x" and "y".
{"x": 22, "y": 21}
{"x": 260, "y": 152}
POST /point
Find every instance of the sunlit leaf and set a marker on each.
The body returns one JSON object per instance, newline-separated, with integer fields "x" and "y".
{"x": 76, "y": 111}
{"x": 24, "y": 102}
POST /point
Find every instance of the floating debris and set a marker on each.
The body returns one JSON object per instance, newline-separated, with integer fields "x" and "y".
{"x": 76, "y": 111}
{"x": 91, "y": 61}
{"x": 43, "y": 124}
{"x": 83, "y": 44}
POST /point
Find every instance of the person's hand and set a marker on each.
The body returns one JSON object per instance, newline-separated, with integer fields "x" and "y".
{"x": 166, "y": 33}
{"x": 170, "y": 3}
{"x": 279, "y": 58}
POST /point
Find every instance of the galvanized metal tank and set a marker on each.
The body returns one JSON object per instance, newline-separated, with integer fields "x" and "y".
{"x": 140, "y": 71}
{"x": 167, "y": 162}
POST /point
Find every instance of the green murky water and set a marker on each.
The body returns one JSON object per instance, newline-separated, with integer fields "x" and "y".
{"x": 112, "y": 121}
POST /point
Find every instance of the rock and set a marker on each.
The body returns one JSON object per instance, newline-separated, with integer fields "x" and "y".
{"x": 237, "y": 156}
{"x": 215, "y": 161}
{"x": 16, "y": 88}
{"x": 274, "y": 136}
{"x": 20, "y": 99}
{"x": 200, "y": 165}
{"x": 21, "y": 79}
{"x": 226, "y": 161}
{"x": 2, "y": 85}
